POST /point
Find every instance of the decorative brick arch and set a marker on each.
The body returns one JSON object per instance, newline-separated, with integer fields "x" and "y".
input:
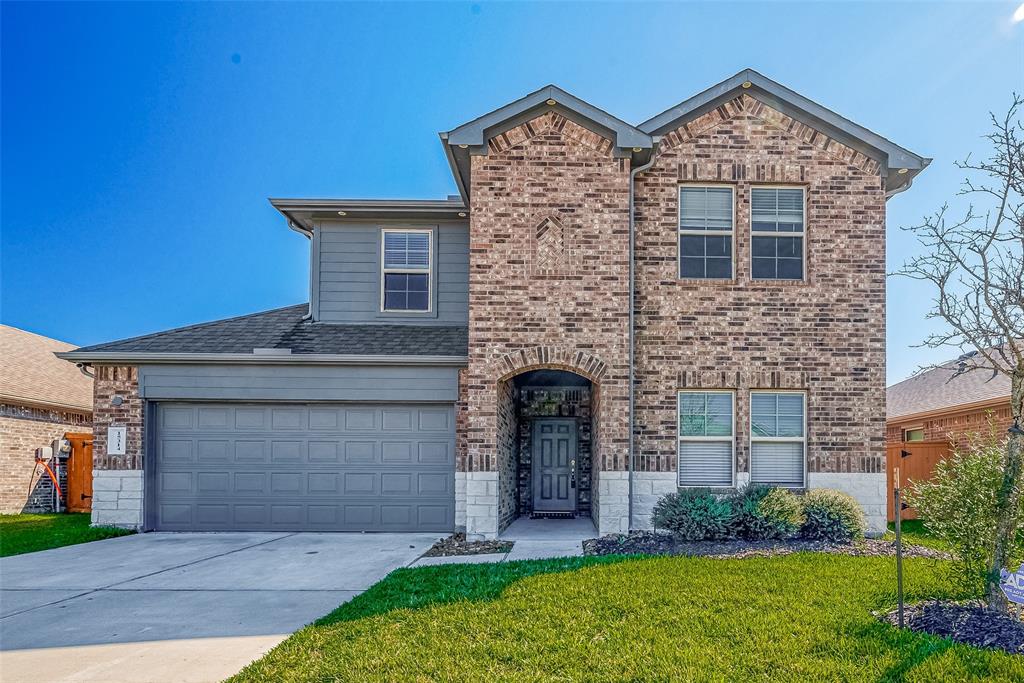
{"x": 552, "y": 358}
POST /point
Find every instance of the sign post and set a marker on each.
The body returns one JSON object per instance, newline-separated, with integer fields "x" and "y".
{"x": 897, "y": 506}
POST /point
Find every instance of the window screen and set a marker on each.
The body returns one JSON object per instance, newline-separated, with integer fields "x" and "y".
{"x": 777, "y": 233}
{"x": 705, "y": 232}
{"x": 705, "y": 438}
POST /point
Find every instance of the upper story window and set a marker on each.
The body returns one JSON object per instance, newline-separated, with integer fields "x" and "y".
{"x": 778, "y": 438}
{"x": 777, "y": 233}
{"x": 406, "y": 270}
{"x": 705, "y": 232}
{"x": 706, "y": 438}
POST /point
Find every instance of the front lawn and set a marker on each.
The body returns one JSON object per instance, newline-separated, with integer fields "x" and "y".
{"x": 798, "y": 617}
{"x": 29, "y": 533}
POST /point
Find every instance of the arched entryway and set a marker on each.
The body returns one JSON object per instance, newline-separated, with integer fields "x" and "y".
{"x": 545, "y": 444}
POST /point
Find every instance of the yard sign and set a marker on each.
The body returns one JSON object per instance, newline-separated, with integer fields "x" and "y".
{"x": 1013, "y": 584}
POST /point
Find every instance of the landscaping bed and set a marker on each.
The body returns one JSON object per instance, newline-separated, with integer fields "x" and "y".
{"x": 663, "y": 543}
{"x": 969, "y": 622}
{"x": 456, "y": 544}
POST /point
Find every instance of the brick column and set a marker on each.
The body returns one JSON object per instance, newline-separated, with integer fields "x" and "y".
{"x": 118, "y": 488}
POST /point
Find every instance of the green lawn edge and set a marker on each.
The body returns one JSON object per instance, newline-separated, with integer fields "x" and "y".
{"x": 29, "y": 533}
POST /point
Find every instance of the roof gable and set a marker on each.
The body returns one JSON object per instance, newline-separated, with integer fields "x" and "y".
{"x": 472, "y": 138}
{"x": 898, "y": 165}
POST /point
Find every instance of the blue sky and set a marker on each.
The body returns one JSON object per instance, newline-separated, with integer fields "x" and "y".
{"x": 140, "y": 141}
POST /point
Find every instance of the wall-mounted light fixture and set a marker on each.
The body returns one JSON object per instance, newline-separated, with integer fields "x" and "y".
{"x": 342, "y": 213}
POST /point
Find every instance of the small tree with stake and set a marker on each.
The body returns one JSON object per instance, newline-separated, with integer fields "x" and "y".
{"x": 976, "y": 264}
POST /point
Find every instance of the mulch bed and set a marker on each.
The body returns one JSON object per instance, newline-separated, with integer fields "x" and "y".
{"x": 970, "y": 623}
{"x": 456, "y": 544}
{"x": 659, "y": 543}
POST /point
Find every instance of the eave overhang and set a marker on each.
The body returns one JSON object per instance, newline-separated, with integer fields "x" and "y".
{"x": 899, "y": 165}
{"x": 143, "y": 358}
{"x": 305, "y": 213}
{"x": 949, "y": 411}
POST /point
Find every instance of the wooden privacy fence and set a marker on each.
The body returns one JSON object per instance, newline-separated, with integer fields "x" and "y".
{"x": 918, "y": 466}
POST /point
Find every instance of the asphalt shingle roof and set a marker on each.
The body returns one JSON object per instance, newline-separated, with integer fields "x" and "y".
{"x": 940, "y": 388}
{"x": 31, "y": 374}
{"x": 284, "y": 328}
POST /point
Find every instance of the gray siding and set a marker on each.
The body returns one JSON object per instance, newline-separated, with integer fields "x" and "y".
{"x": 346, "y": 278}
{"x": 298, "y": 383}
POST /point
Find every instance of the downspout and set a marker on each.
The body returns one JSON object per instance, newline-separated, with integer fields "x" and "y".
{"x": 632, "y": 290}
{"x": 293, "y": 225}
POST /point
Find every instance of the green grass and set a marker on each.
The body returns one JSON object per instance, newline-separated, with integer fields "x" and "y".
{"x": 794, "y": 618}
{"x": 913, "y": 531}
{"x": 29, "y": 533}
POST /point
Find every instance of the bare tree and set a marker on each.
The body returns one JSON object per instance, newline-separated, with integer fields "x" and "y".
{"x": 976, "y": 265}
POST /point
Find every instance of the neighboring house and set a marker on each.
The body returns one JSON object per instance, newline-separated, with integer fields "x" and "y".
{"x": 943, "y": 404}
{"x": 465, "y": 361}
{"x": 41, "y": 399}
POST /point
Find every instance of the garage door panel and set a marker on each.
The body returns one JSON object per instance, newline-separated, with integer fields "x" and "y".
{"x": 295, "y": 467}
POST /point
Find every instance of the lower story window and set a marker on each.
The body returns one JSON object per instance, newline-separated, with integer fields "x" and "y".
{"x": 778, "y": 438}
{"x": 706, "y": 437}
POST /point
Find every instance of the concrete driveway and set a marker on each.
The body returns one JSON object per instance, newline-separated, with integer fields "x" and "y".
{"x": 178, "y": 607}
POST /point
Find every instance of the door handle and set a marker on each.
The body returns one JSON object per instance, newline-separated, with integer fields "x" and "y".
{"x": 572, "y": 473}
{"x": 85, "y": 496}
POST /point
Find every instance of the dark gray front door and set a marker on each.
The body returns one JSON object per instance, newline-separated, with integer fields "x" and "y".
{"x": 554, "y": 463}
{"x": 302, "y": 467}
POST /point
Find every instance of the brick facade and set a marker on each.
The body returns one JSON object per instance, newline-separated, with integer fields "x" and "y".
{"x": 954, "y": 425}
{"x": 825, "y": 336}
{"x": 111, "y": 381}
{"x": 23, "y": 429}
{"x": 548, "y": 276}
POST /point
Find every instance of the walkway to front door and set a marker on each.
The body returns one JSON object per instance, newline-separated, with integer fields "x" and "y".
{"x": 554, "y": 465}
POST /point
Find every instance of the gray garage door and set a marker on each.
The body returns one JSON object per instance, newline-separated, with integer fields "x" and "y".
{"x": 317, "y": 467}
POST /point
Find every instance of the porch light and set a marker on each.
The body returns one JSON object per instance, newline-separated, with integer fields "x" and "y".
{"x": 746, "y": 84}
{"x": 902, "y": 171}
{"x": 463, "y": 146}
{"x": 342, "y": 213}
{"x": 462, "y": 214}
{"x": 638, "y": 149}
{"x": 551, "y": 103}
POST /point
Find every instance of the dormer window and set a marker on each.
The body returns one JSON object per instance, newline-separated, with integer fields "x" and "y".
{"x": 406, "y": 270}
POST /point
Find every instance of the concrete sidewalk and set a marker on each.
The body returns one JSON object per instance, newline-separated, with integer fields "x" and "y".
{"x": 178, "y": 607}
{"x": 534, "y": 539}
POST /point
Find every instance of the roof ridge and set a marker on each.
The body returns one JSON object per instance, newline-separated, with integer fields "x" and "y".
{"x": 183, "y": 328}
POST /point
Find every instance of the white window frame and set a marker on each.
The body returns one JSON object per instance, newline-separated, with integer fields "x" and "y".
{"x": 802, "y": 233}
{"x": 429, "y": 272}
{"x": 776, "y": 439}
{"x": 731, "y": 439}
{"x": 707, "y": 233}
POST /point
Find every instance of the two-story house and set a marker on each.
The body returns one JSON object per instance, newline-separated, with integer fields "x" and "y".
{"x": 605, "y": 312}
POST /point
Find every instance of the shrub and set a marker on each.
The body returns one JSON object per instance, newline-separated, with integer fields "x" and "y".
{"x": 832, "y": 516}
{"x": 765, "y": 512}
{"x": 696, "y": 515}
{"x": 958, "y": 504}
